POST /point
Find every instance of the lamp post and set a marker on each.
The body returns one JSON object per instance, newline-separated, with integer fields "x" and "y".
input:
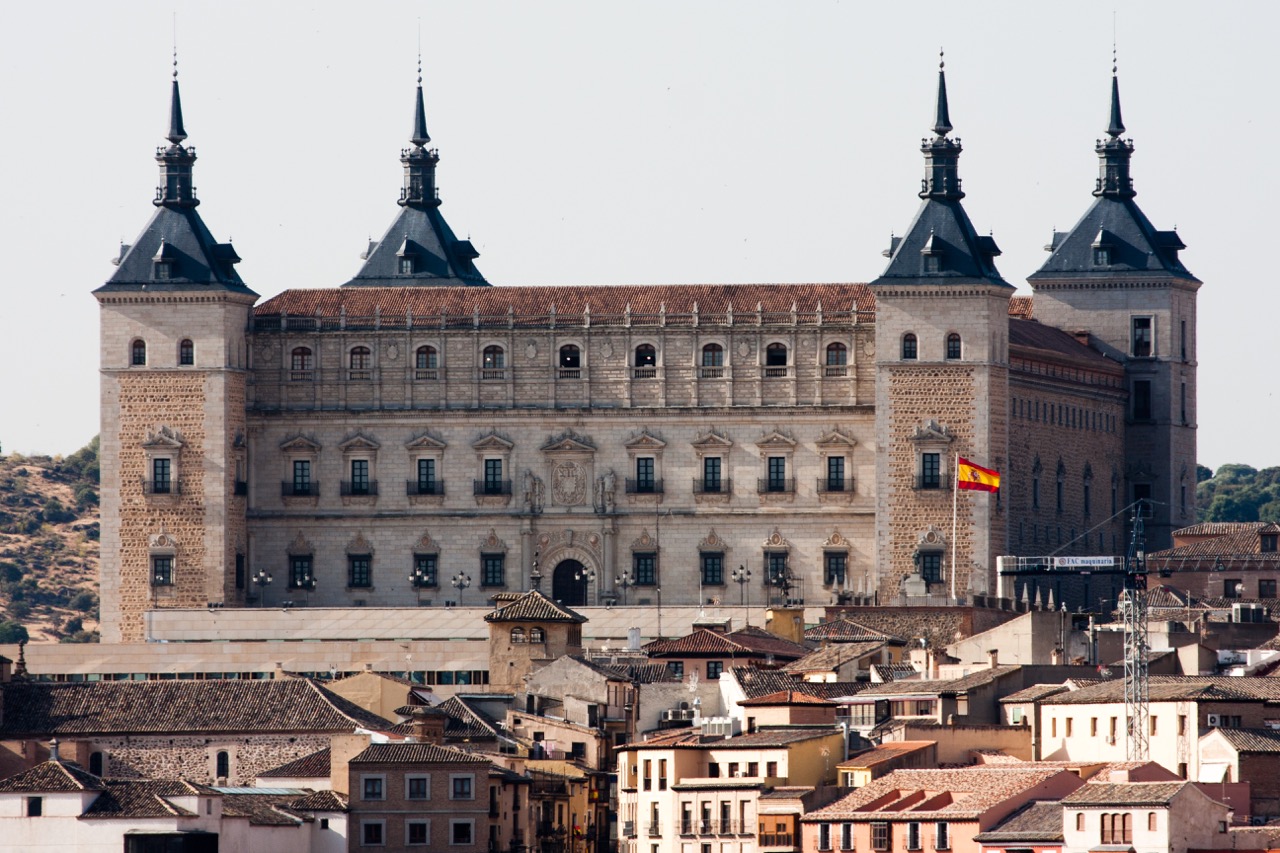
{"x": 741, "y": 576}
{"x": 624, "y": 580}
{"x": 535, "y": 576}
{"x": 419, "y": 579}
{"x": 262, "y": 579}
{"x": 460, "y": 582}
{"x": 658, "y": 589}
{"x": 586, "y": 575}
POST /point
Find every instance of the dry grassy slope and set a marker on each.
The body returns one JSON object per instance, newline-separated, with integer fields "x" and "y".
{"x": 48, "y": 550}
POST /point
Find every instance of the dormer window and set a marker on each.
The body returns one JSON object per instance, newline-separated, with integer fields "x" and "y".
{"x": 406, "y": 266}
{"x": 931, "y": 254}
{"x": 1269, "y": 543}
{"x": 163, "y": 270}
{"x": 932, "y": 263}
{"x": 405, "y": 255}
{"x": 1102, "y": 256}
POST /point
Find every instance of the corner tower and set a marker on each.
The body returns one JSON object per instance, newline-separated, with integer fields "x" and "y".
{"x": 942, "y": 333}
{"x": 419, "y": 248}
{"x": 1118, "y": 279}
{"x": 173, "y": 359}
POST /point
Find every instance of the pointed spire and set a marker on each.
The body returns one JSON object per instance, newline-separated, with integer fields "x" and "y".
{"x": 1114, "y": 180}
{"x": 419, "y": 163}
{"x": 942, "y": 116}
{"x": 177, "y": 132}
{"x": 420, "y": 137}
{"x": 1116, "y": 125}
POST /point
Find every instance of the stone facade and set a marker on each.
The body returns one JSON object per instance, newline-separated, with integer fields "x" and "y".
{"x": 196, "y": 758}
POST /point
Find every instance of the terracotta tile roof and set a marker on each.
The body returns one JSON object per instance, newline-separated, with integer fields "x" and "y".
{"x": 829, "y": 658}
{"x": 878, "y": 755}
{"x": 761, "y": 641}
{"x": 265, "y": 809}
{"x": 1021, "y": 307}
{"x": 1124, "y": 794}
{"x": 1035, "y": 693}
{"x": 1219, "y": 528}
{"x": 466, "y": 722}
{"x": 321, "y": 801}
{"x": 935, "y": 794}
{"x": 938, "y": 626}
{"x": 761, "y": 682}
{"x": 1252, "y": 740}
{"x": 533, "y": 606}
{"x": 1171, "y": 688}
{"x": 239, "y": 705}
{"x": 747, "y": 641}
{"x": 51, "y": 777}
{"x": 315, "y": 765}
{"x": 1036, "y": 821}
{"x": 528, "y": 306}
{"x": 888, "y": 672}
{"x": 845, "y": 630}
{"x": 685, "y": 738}
{"x": 641, "y": 672}
{"x": 415, "y": 753}
{"x": 784, "y": 697}
{"x": 785, "y": 792}
{"x": 940, "y": 687}
{"x": 1239, "y": 544}
{"x": 138, "y": 798}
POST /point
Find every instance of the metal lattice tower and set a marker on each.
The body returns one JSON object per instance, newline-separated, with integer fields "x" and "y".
{"x": 1133, "y": 607}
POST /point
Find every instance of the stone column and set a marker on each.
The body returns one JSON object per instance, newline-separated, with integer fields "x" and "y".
{"x": 610, "y": 568}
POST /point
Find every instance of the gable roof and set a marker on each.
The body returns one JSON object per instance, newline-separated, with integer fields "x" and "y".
{"x": 415, "y": 753}
{"x": 313, "y": 766}
{"x": 1125, "y": 793}
{"x": 321, "y": 801}
{"x": 1252, "y": 740}
{"x": 534, "y": 606}
{"x": 138, "y": 798}
{"x": 832, "y": 657}
{"x": 941, "y": 794}
{"x": 846, "y": 630}
{"x": 39, "y": 709}
{"x": 1039, "y": 820}
{"x": 762, "y": 682}
{"x": 784, "y": 697}
{"x": 1172, "y": 688}
{"x": 52, "y": 777}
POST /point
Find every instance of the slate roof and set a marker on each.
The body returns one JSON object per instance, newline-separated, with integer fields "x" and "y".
{"x": 831, "y": 657}
{"x": 315, "y": 765}
{"x": 1138, "y": 250}
{"x": 51, "y": 777}
{"x": 954, "y": 794}
{"x": 1039, "y": 820}
{"x": 139, "y": 798}
{"x": 439, "y": 257}
{"x": 415, "y": 753}
{"x": 40, "y": 709}
{"x": 1125, "y": 794}
{"x": 321, "y": 801}
{"x": 967, "y": 257}
{"x": 534, "y": 606}
{"x": 1170, "y": 688}
{"x": 1252, "y": 740}
{"x": 846, "y": 630}
{"x": 199, "y": 262}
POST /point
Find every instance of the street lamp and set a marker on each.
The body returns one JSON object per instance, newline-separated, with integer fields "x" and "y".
{"x": 586, "y": 575}
{"x": 262, "y": 578}
{"x": 535, "y": 576}
{"x": 624, "y": 580}
{"x": 741, "y": 576}
{"x": 421, "y": 578}
{"x": 460, "y": 582}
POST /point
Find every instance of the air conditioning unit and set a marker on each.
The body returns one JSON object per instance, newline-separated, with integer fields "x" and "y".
{"x": 1213, "y": 720}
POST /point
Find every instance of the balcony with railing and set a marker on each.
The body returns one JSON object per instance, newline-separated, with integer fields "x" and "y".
{"x": 424, "y": 487}
{"x": 777, "y": 839}
{"x": 161, "y": 487}
{"x": 776, "y": 485}
{"x": 570, "y": 373}
{"x": 309, "y": 489}
{"x": 358, "y": 488}
{"x": 835, "y": 371}
{"x": 493, "y": 374}
{"x": 360, "y": 375}
{"x": 644, "y": 487}
{"x": 776, "y": 372}
{"x": 835, "y": 485}
{"x": 491, "y": 487}
{"x": 719, "y": 486}
{"x": 644, "y": 372}
{"x": 301, "y": 375}
{"x": 711, "y": 373}
{"x": 426, "y": 374}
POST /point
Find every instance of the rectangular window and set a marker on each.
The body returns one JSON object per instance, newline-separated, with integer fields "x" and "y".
{"x": 1069, "y": 726}
{"x": 711, "y": 474}
{"x": 359, "y": 476}
{"x": 1266, "y": 589}
{"x": 930, "y": 470}
{"x": 493, "y": 476}
{"x": 942, "y": 836}
{"x": 1183, "y": 407}
{"x": 771, "y": 768}
{"x": 461, "y": 832}
{"x": 299, "y": 571}
{"x": 835, "y": 474}
{"x": 1183, "y": 328}
{"x": 372, "y": 833}
{"x": 418, "y": 788}
{"x": 1231, "y": 588}
{"x": 775, "y": 563}
{"x": 372, "y": 788}
{"x": 645, "y": 481}
{"x": 417, "y": 832}
{"x": 1093, "y": 727}
{"x": 493, "y": 571}
{"x": 931, "y": 566}
{"x": 712, "y": 568}
{"x": 824, "y": 836}
{"x": 644, "y": 568}
{"x": 460, "y": 788}
{"x": 835, "y": 563}
{"x": 913, "y": 835}
{"x": 1142, "y": 399}
{"x": 162, "y": 571}
{"x": 675, "y": 668}
{"x": 302, "y": 476}
{"x": 35, "y": 806}
{"x": 1142, "y": 337}
{"x": 714, "y": 668}
{"x": 360, "y": 570}
{"x": 426, "y": 476}
{"x": 879, "y": 835}
{"x": 161, "y": 476}
{"x": 424, "y": 569}
{"x": 846, "y": 836}
{"x": 777, "y": 481}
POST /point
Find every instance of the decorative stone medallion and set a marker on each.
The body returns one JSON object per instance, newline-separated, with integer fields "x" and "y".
{"x": 568, "y": 484}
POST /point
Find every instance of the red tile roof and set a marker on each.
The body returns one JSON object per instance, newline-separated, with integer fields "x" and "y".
{"x": 784, "y": 697}
{"x": 747, "y": 641}
{"x": 52, "y": 777}
{"x": 533, "y": 606}
{"x": 312, "y": 766}
{"x": 935, "y": 794}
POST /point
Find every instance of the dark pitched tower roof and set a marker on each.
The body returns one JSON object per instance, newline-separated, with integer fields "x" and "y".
{"x": 175, "y": 250}
{"x": 419, "y": 248}
{"x": 1114, "y": 239}
{"x": 941, "y": 246}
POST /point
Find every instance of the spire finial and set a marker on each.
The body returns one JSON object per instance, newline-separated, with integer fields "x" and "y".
{"x": 177, "y": 132}
{"x": 1116, "y": 126}
{"x": 942, "y": 117}
{"x": 420, "y": 136}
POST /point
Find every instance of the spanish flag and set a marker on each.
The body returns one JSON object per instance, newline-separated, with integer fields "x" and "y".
{"x": 970, "y": 476}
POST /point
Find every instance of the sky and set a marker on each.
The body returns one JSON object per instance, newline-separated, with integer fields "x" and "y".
{"x": 663, "y": 142}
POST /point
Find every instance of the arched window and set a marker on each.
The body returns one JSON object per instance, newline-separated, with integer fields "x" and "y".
{"x": 493, "y": 358}
{"x": 517, "y": 635}
{"x": 186, "y": 352}
{"x": 570, "y": 357}
{"x": 224, "y": 764}
{"x": 953, "y": 346}
{"x": 713, "y": 355}
{"x": 361, "y": 358}
{"x": 909, "y": 347}
{"x": 646, "y": 356}
{"x": 427, "y": 358}
{"x": 138, "y": 353}
{"x": 537, "y": 635}
{"x": 301, "y": 359}
{"x": 837, "y": 355}
{"x": 775, "y": 355}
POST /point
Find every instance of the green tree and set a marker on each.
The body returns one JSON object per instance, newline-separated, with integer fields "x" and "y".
{"x": 12, "y": 632}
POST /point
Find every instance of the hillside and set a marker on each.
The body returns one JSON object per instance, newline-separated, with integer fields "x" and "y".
{"x": 49, "y": 547}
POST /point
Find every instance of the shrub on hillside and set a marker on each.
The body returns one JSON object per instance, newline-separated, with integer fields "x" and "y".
{"x": 12, "y": 632}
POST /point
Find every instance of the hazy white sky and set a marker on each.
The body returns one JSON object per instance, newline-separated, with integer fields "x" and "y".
{"x": 667, "y": 141}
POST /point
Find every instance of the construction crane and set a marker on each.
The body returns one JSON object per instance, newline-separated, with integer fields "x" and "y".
{"x": 1133, "y": 610}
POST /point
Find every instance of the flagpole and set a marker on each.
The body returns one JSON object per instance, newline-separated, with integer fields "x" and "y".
{"x": 955, "y": 501}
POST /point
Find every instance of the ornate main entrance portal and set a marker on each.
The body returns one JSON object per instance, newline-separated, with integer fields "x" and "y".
{"x": 569, "y": 584}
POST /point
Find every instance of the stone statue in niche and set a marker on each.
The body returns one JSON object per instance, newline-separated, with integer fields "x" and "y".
{"x": 532, "y": 492}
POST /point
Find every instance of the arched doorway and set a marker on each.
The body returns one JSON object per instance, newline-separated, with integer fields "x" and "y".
{"x": 566, "y": 588}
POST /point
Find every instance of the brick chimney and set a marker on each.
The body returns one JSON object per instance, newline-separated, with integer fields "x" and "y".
{"x": 993, "y": 657}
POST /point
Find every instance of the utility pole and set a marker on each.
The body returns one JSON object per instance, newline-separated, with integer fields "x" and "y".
{"x": 1133, "y": 606}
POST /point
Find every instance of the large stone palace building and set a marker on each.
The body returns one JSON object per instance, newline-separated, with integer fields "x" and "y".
{"x": 418, "y": 436}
